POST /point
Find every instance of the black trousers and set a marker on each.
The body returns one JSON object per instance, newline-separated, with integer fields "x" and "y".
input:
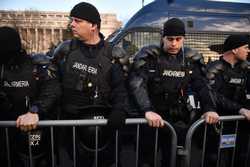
{"x": 18, "y": 149}
{"x": 242, "y": 150}
{"x": 85, "y": 149}
{"x": 147, "y": 144}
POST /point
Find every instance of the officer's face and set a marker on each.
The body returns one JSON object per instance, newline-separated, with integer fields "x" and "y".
{"x": 82, "y": 29}
{"x": 242, "y": 52}
{"x": 172, "y": 44}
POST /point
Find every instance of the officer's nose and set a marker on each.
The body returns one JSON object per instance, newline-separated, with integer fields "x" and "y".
{"x": 173, "y": 43}
{"x": 72, "y": 23}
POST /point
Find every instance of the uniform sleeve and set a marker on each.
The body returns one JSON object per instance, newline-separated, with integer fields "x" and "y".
{"x": 138, "y": 81}
{"x": 48, "y": 90}
{"x": 49, "y": 80}
{"x": 118, "y": 90}
{"x": 226, "y": 104}
{"x": 216, "y": 81}
{"x": 119, "y": 98}
{"x": 199, "y": 85}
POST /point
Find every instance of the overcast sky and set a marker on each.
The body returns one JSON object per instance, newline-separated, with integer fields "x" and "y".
{"x": 123, "y": 8}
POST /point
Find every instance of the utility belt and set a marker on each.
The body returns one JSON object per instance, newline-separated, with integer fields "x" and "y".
{"x": 174, "y": 99}
{"x": 86, "y": 135}
{"x": 178, "y": 108}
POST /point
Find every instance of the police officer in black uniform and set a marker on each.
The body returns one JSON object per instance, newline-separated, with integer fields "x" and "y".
{"x": 228, "y": 79}
{"x": 248, "y": 80}
{"x": 227, "y": 76}
{"x": 28, "y": 90}
{"x": 161, "y": 81}
{"x": 92, "y": 84}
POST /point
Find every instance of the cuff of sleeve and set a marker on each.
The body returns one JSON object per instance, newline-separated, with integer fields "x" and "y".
{"x": 147, "y": 109}
{"x": 207, "y": 109}
{"x": 34, "y": 109}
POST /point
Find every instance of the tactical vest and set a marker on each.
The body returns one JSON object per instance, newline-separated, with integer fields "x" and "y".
{"x": 169, "y": 78}
{"x": 86, "y": 79}
{"x": 20, "y": 84}
{"x": 231, "y": 82}
{"x": 86, "y": 91}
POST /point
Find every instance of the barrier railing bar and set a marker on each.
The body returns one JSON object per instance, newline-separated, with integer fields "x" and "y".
{"x": 137, "y": 145}
{"x": 101, "y": 122}
{"x": 219, "y": 148}
{"x": 116, "y": 147}
{"x": 234, "y": 150}
{"x": 86, "y": 122}
{"x": 174, "y": 144}
{"x": 74, "y": 145}
{"x": 52, "y": 145}
{"x": 188, "y": 141}
{"x": 8, "y": 146}
{"x": 156, "y": 146}
{"x": 96, "y": 146}
{"x": 30, "y": 150}
{"x": 204, "y": 146}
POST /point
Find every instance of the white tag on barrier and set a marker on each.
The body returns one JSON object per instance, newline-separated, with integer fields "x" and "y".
{"x": 228, "y": 141}
{"x": 191, "y": 100}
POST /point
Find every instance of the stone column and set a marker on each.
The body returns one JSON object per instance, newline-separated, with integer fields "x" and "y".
{"x": 61, "y": 34}
{"x": 36, "y": 40}
{"x": 44, "y": 39}
{"x": 28, "y": 41}
{"x": 52, "y": 35}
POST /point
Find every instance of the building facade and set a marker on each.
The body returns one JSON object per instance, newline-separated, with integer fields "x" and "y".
{"x": 42, "y": 30}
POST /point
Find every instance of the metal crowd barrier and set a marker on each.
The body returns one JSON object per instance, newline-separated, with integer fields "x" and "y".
{"x": 230, "y": 142}
{"x": 98, "y": 122}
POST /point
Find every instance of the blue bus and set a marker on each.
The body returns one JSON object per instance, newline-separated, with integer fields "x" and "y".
{"x": 207, "y": 23}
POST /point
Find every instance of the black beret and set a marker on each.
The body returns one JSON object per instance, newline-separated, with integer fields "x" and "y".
{"x": 10, "y": 40}
{"x": 87, "y": 12}
{"x": 174, "y": 27}
{"x": 235, "y": 41}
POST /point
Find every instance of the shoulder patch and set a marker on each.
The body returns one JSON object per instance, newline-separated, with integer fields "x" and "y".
{"x": 214, "y": 68}
{"x": 193, "y": 55}
{"x": 62, "y": 50}
{"x": 148, "y": 51}
{"x": 151, "y": 51}
{"x": 245, "y": 65}
{"x": 40, "y": 59}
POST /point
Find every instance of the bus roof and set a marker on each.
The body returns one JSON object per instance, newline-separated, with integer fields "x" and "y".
{"x": 198, "y": 15}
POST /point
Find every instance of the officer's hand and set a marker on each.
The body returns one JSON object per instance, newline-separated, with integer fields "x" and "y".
{"x": 245, "y": 113}
{"x": 27, "y": 122}
{"x": 210, "y": 117}
{"x": 154, "y": 119}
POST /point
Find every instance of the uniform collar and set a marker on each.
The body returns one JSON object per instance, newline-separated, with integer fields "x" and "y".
{"x": 228, "y": 64}
{"x": 99, "y": 45}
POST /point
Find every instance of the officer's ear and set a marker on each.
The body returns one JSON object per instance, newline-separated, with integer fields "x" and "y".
{"x": 234, "y": 51}
{"x": 94, "y": 26}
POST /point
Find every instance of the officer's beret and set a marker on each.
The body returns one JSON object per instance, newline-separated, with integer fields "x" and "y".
{"x": 174, "y": 27}
{"x": 10, "y": 41}
{"x": 235, "y": 41}
{"x": 87, "y": 12}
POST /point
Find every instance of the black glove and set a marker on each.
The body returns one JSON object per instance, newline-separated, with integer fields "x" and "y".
{"x": 116, "y": 120}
